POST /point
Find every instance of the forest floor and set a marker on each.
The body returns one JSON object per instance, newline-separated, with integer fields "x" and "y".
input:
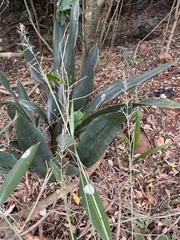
{"x": 154, "y": 180}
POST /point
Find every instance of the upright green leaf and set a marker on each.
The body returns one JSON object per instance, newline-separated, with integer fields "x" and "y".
{"x": 52, "y": 108}
{"x": 72, "y": 37}
{"x": 27, "y": 135}
{"x": 94, "y": 208}
{"x": 58, "y": 46}
{"x": 16, "y": 174}
{"x": 98, "y": 136}
{"x": 22, "y": 91}
{"x": 122, "y": 86}
{"x": 84, "y": 87}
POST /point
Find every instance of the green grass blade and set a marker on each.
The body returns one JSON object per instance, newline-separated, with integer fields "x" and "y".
{"x": 151, "y": 151}
{"x": 124, "y": 137}
{"x": 137, "y": 128}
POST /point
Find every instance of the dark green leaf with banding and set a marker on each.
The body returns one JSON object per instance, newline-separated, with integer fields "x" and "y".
{"x": 27, "y": 135}
{"x": 122, "y": 86}
{"x": 84, "y": 87}
{"x": 97, "y": 137}
{"x": 110, "y": 109}
{"x": 73, "y": 32}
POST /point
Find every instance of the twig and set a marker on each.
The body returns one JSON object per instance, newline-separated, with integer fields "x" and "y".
{"x": 167, "y": 25}
{"x": 11, "y": 54}
{"x": 176, "y": 17}
{"x": 106, "y": 12}
{"x": 37, "y": 23}
{"x": 30, "y": 18}
{"x": 20, "y": 55}
{"x": 117, "y": 18}
{"x": 135, "y": 53}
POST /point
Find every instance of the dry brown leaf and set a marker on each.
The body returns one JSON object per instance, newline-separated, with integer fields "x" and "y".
{"x": 159, "y": 141}
{"x": 144, "y": 47}
{"x": 143, "y": 144}
{"x": 165, "y": 57}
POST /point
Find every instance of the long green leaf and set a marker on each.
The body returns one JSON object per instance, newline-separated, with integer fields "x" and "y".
{"x": 52, "y": 108}
{"x": 159, "y": 102}
{"x": 15, "y": 107}
{"x": 58, "y": 45}
{"x": 58, "y": 53}
{"x": 73, "y": 32}
{"x": 33, "y": 107}
{"x": 17, "y": 173}
{"x": 94, "y": 208}
{"x": 98, "y": 136}
{"x": 27, "y": 135}
{"x": 85, "y": 85}
{"x": 122, "y": 86}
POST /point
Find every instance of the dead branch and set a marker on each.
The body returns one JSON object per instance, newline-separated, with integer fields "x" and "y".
{"x": 11, "y": 55}
{"x": 176, "y": 17}
{"x": 135, "y": 53}
{"x": 20, "y": 55}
